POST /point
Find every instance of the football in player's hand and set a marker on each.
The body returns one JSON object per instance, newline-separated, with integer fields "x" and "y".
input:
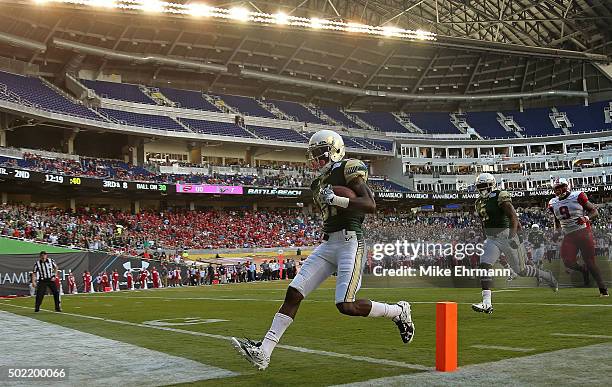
{"x": 346, "y": 192}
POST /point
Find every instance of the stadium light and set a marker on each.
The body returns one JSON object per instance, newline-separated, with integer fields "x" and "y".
{"x": 199, "y": 10}
{"x": 422, "y": 35}
{"x": 316, "y": 23}
{"x": 151, "y": 6}
{"x": 281, "y": 18}
{"x": 356, "y": 27}
{"x": 103, "y": 3}
{"x": 390, "y": 31}
{"x": 239, "y": 13}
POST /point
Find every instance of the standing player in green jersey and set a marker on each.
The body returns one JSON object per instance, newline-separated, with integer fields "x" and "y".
{"x": 501, "y": 226}
{"x": 341, "y": 252}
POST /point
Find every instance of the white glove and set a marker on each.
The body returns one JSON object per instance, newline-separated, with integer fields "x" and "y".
{"x": 327, "y": 195}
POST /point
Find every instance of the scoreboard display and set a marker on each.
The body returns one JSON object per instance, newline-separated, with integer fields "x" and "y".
{"x": 110, "y": 185}
{"x": 79, "y": 181}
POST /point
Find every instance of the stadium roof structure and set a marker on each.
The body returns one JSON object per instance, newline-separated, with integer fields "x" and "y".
{"x": 483, "y": 50}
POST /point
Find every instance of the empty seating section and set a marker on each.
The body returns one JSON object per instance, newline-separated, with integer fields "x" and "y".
{"x": 383, "y": 121}
{"x": 377, "y": 144}
{"x": 535, "y": 122}
{"x": 587, "y": 118}
{"x": 297, "y": 111}
{"x": 188, "y": 99}
{"x": 246, "y": 105}
{"x": 434, "y": 122}
{"x": 278, "y": 134}
{"x": 37, "y": 93}
{"x": 351, "y": 142}
{"x": 340, "y": 117}
{"x": 120, "y": 91}
{"x": 143, "y": 120}
{"x": 486, "y": 124}
{"x": 216, "y": 128}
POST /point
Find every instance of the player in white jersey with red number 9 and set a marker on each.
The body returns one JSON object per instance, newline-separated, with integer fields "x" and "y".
{"x": 573, "y": 214}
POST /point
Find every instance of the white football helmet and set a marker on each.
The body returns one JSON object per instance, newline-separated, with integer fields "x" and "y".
{"x": 325, "y": 148}
{"x": 560, "y": 186}
{"x": 485, "y": 184}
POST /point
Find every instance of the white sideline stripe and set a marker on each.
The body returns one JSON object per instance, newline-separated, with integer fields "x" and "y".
{"x": 90, "y": 359}
{"x": 514, "y": 349}
{"x": 581, "y": 335}
{"x": 221, "y": 337}
{"x": 505, "y": 290}
{"x": 331, "y": 301}
{"x": 583, "y": 366}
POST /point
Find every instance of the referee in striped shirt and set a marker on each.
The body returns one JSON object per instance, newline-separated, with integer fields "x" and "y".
{"x": 45, "y": 271}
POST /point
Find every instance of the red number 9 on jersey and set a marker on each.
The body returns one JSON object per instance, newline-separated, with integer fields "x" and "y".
{"x": 565, "y": 213}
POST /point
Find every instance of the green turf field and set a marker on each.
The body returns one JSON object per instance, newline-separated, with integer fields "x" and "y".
{"x": 523, "y": 319}
{"x": 12, "y": 246}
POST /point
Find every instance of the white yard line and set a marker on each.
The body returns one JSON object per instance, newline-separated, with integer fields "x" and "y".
{"x": 513, "y": 349}
{"x": 90, "y": 359}
{"x": 331, "y": 301}
{"x": 591, "y": 365}
{"x": 581, "y": 335}
{"x": 366, "y": 359}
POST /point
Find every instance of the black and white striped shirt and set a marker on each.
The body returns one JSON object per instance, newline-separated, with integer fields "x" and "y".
{"x": 44, "y": 270}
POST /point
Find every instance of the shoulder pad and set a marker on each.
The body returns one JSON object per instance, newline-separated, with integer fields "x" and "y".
{"x": 504, "y": 196}
{"x": 353, "y": 169}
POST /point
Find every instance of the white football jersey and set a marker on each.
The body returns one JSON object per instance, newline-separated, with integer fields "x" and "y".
{"x": 569, "y": 210}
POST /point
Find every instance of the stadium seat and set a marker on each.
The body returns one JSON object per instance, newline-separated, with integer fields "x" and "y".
{"x": 143, "y": 120}
{"x": 434, "y": 122}
{"x": 535, "y": 122}
{"x": 246, "y": 105}
{"x": 215, "y": 128}
{"x": 188, "y": 99}
{"x": 383, "y": 121}
{"x": 278, "y": 134}
{"x": 340, "y": 117}
{"x": 39, "y": 94}
{"x": 120, "y": 91}
{"x": 587, "y": 118}
{"x": 486, "y": 124}
{"x": 297, "y": 111}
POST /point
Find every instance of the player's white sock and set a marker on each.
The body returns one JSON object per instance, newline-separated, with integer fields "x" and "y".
{"x": 380, "y": 309}
{"x": 486, "y": 297}
{"x": 279, "y": 324}
{"x": 531, "y": 271}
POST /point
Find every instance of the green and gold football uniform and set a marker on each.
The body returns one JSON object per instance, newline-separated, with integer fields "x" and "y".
{"x": 337, "y": 218}
{"x": 491, "y": 212}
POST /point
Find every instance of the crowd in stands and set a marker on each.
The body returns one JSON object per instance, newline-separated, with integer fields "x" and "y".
{"x": 121, "y": 232}
{"x": 152, "y": 233}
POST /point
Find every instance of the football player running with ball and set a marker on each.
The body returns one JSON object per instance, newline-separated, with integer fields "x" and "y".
{"x": 341, "y": 252}
{"x": 501, "y": 226}
{"x": 573, "y": 213}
